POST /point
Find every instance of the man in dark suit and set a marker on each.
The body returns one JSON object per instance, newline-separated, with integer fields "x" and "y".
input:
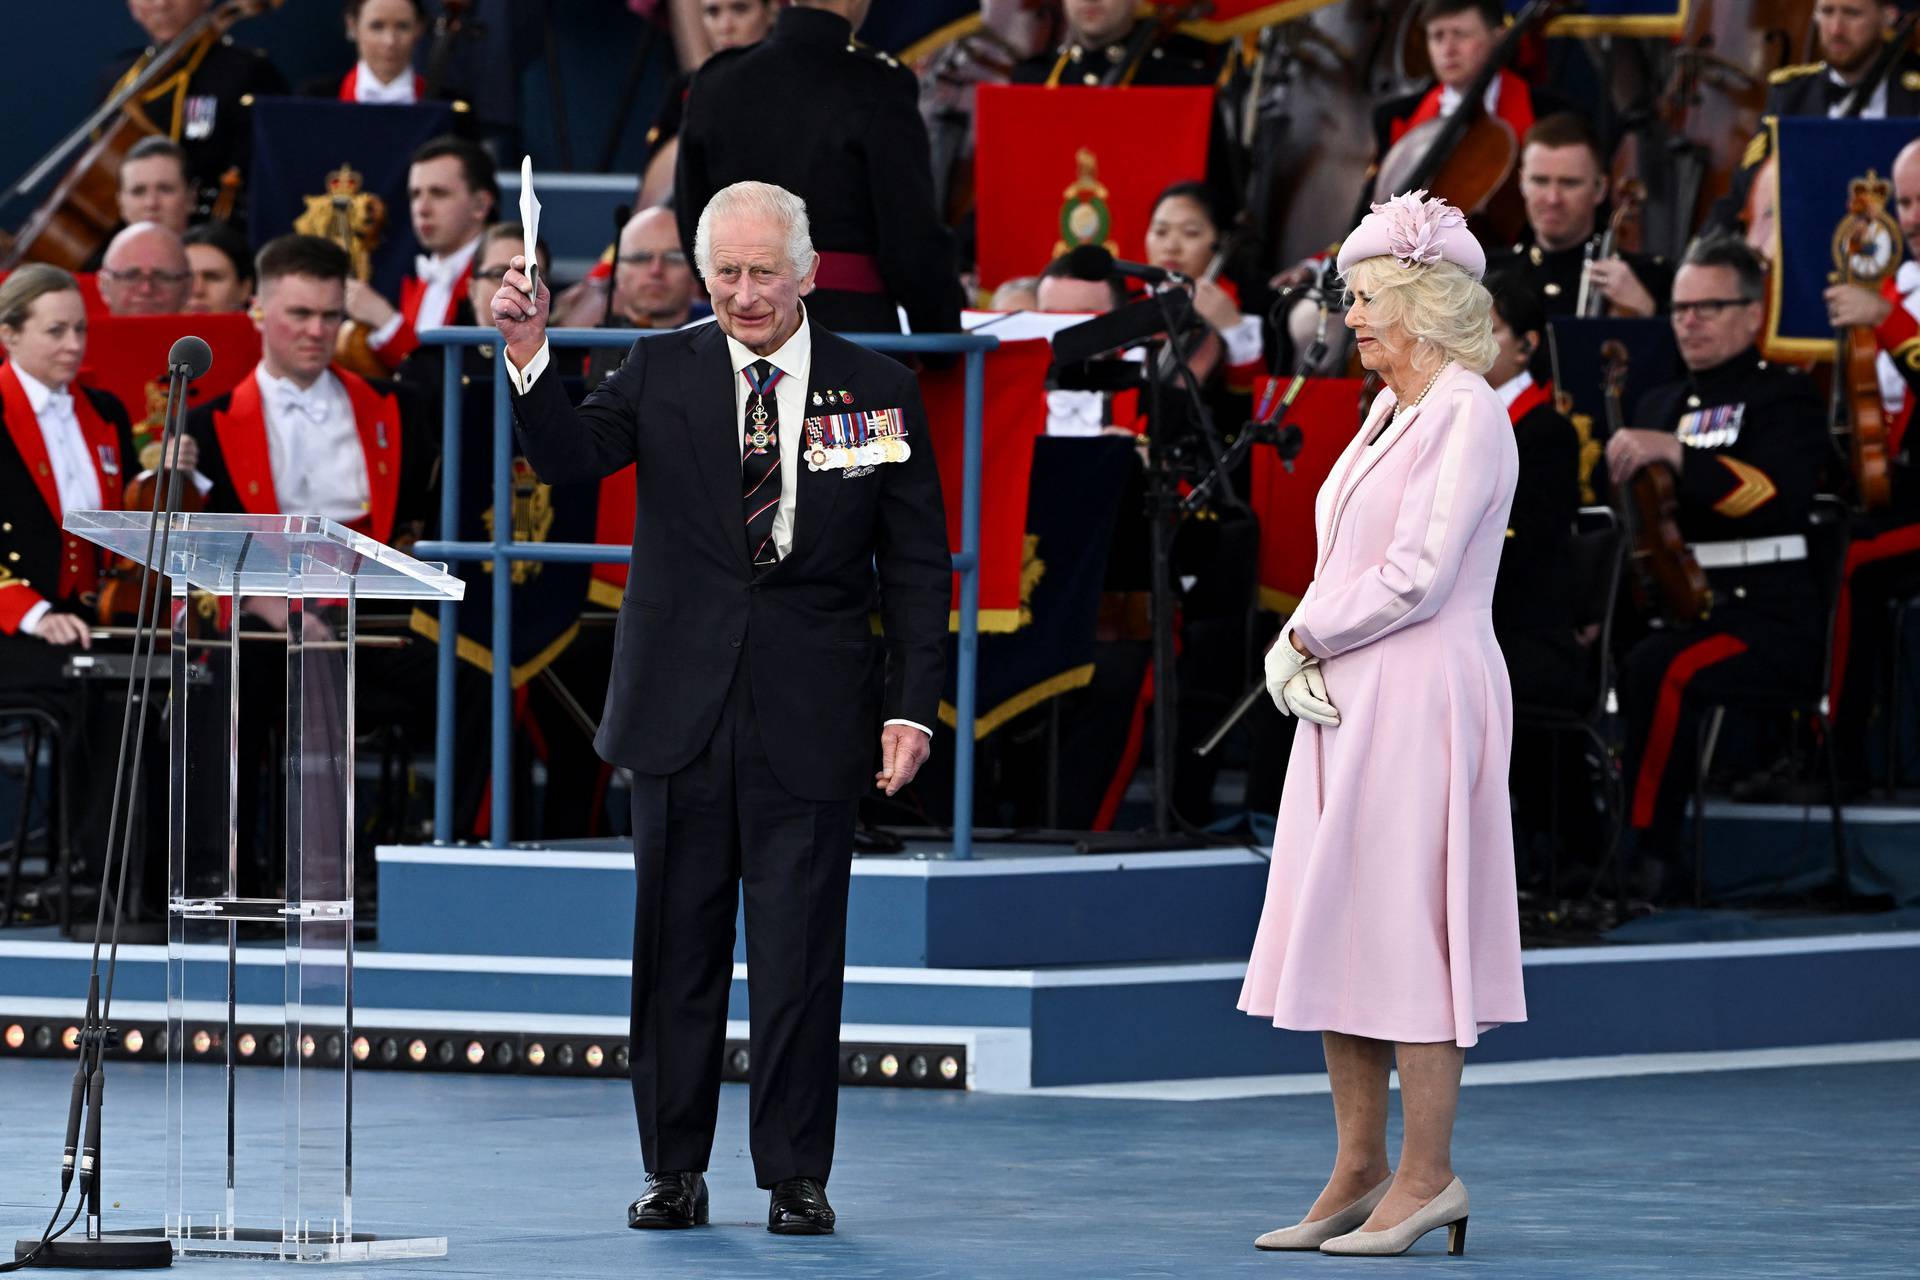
{"x": 748, "y": 686}
{"x": 848, "y": 140}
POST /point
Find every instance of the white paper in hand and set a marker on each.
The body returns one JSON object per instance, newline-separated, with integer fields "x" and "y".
{"x": 530, "y": 224}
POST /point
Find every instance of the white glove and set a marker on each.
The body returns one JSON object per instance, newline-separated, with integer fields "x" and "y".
{"x": 1283, "y": 662}
{"x": 1306, "y": 696}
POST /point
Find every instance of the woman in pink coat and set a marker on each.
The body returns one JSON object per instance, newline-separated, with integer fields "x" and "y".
{"x": 1390, "y": 923}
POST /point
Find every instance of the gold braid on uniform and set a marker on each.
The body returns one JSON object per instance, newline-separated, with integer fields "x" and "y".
{"x": 175, "y": 84}
{"x": 1754, "y": 490}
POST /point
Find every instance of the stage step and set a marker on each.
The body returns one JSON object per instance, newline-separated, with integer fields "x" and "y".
{"x": 1019, "y": 907}
{"x": 1109, "y": 1023}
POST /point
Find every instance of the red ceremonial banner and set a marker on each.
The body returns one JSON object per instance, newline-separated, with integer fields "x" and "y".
{"x": 1013, "y": 414}
{"x": 1055, "y": 168}
{"x": 1328, "y": 413}
{"x": 127, "y": 356}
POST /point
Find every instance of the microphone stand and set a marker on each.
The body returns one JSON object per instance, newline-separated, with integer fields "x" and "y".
{"x": 1270, "y": 425}
{"x": 188, "y": 359}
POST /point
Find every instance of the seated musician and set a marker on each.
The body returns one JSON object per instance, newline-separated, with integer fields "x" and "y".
{"x": 451, "y": 195}
{"x": 200, "y": 104}
{"x": 145, "y": 272}
{"x": 1747, "y": 442}
{"x": 1851, "y": 33}
{"x": 1533, "y": 603}
{"x": 1101, "y": 37}
{"x": 222, "y": 266}
{"x": 154, "y": 186}
{"x": 385, "y": 34}
{"x": 1461, "y": 35}
{"x": 63, "y": 447}
{"x": 1884, "y": 557}
{"x": 1563, "y": 182}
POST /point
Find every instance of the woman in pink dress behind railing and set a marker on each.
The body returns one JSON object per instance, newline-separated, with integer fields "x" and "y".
{"x": 1391, "y": 924}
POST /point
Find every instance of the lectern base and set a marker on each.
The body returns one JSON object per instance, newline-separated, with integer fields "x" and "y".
{"x": 271, "y": 1246}
{"x": 109, "y": 1253}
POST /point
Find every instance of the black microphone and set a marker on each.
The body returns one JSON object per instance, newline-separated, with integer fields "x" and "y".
{"x": 73, "y": 1129}
{"x": 1091, "y": 262}
{"x": 621, "y": 215}
{"x": 191, "y": 356}
{"x": 90, "y": 1151}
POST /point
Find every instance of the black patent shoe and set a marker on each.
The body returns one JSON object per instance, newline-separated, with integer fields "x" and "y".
{"x": 799, "y": 1208}
{"x": 672, "y": 1201}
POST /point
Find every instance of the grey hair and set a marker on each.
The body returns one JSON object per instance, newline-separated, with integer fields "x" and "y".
{"x": 755, "y": 200}
{"x": 1719, "y": 249}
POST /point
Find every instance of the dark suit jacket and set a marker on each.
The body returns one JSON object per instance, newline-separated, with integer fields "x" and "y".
{"x": 822, "y": 682}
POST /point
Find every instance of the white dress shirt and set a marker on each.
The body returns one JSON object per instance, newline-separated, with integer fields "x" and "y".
{"x": 794, "y": 359}
{"x": 1450, "y": 98}
{"x": 1876, "y": 108}
{"x": 367, "y": 86}
{"x": 440, "y": 273}
{"x": 318, "y": 466}
{"x": 75, "y": 479}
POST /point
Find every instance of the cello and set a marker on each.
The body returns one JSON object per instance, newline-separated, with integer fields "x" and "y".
{"x": 1469, "y": 157}
{"x": 81, "y": 212}
{"x": 1669, "y": 585}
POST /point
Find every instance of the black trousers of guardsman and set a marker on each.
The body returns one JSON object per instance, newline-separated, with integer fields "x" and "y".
{"x": 700, "y": 836}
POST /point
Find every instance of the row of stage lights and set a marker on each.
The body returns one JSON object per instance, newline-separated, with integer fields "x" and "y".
{"x": 907, "y": 1066}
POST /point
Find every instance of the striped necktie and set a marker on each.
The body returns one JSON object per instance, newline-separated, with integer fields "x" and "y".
{"x": 760, "y": 462}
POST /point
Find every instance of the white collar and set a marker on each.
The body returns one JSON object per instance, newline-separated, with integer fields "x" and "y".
{"x": 1907, "y": 278}
{"x": 39, "y": 394}
{"x": 792, "y": 356}
{"x": 274, "y": 390}
{"x": 369, "y": 87}
{"x": 1513, "y": 388}
{"x": 446, "y": 267}
{"x": 1450, "y": 98}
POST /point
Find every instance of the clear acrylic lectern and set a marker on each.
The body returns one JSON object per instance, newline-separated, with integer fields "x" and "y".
{"x": 259, "y": 1163}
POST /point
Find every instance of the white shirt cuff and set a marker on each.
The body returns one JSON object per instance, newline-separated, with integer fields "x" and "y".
{"x": 31, "y": 618}
{"x": 912, "y": 724}
{"x": 384, "y": 334}
{"x": 523, "y": 379}
{"x": 1243, "y": 340}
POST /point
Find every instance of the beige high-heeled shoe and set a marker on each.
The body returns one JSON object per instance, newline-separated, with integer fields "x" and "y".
{"x": 1448, "y": 1209}
{"x": 1310, "y": 1235}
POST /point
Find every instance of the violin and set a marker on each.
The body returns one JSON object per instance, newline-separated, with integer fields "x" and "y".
{"x": 82, "y": 211}
{"x": 1668, "y": 583}
{"x": 119, "y": 602}
{"x": 1469, "y": 157}
{"x": 1868, "y": 251}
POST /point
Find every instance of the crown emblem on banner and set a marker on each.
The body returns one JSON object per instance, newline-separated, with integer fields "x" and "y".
{"x": 1866, "y": 242}
{"x": 350, "y": 217}
{"x": 1084, "y": 215}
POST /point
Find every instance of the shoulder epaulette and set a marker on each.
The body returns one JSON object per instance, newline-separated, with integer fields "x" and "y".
{"x": 1798, "y": 71}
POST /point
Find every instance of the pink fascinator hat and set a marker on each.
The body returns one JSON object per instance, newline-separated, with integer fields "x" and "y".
{"x": 1415, "y": 231}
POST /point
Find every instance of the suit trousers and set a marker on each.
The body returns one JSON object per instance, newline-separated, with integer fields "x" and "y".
{"x": 700, "y": 836}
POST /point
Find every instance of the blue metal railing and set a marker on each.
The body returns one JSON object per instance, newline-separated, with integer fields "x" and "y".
{"x": 503, "y": 550}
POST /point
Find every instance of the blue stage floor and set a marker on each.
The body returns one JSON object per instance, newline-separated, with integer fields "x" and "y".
{"x": 1792, "y": 1172}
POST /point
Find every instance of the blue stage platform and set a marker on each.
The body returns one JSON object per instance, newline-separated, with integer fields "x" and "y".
{"x": 1050, "y": 969}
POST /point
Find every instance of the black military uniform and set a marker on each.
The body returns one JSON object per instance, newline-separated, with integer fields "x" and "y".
{"x": 1811, "y": 89}
{"x": 1755, "y": 437}
{"x": 203, "y": 106}
{"x": 1533, "y": 603}
{"x": 838, "y": 125}
{"x": 1554, "y": 277}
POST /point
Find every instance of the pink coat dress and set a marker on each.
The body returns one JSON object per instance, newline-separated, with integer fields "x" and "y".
{"x": 1391, "y": 910}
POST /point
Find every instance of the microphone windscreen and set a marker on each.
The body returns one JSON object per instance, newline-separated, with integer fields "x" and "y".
{"x": 190, "y": 353}
{"x": 1090, "y": 262}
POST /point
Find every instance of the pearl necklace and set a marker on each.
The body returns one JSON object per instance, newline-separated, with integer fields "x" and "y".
{"x": 1400, "y": 410}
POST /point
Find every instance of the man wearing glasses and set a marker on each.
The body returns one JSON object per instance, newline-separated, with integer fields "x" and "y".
{"x": 146, "y": 272}
{"x": 1746, "y": 442}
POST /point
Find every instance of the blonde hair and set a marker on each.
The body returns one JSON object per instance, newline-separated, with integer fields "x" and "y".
{"x": 1439, "y": 304}
{"x": 26, "y": 286}
{"x": 755, "y": 199}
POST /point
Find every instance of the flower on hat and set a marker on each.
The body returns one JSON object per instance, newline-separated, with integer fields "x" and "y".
{"x": 1415, "y": 226}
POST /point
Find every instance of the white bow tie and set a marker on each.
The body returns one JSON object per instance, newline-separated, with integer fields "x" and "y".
{"x": 309, "y": 406}
{"x": 1907, "y": 279}
{"x": 435, "y": 271}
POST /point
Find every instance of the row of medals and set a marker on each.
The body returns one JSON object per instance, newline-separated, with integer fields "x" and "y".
{"x": 819, "y": 456}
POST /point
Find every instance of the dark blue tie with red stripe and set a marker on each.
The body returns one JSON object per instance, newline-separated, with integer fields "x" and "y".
{"x": 760, "y": 462}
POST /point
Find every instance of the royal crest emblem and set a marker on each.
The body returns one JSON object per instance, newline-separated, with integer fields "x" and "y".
{"x": 1084, "y": 215}
{"x": 532, "y": 518}
{"x": 351, "y": 218}
{"x": 1866, "y": 242}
